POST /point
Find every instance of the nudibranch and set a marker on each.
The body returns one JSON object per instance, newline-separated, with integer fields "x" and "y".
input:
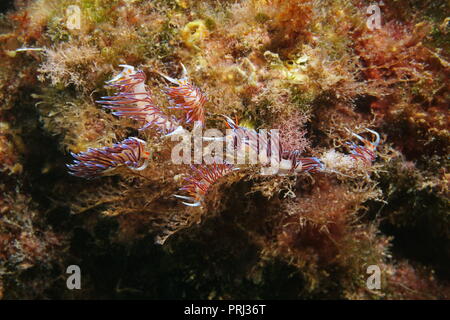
{"x": 185, "y": 96}
{"x": 365, "y": 152}
{"x": 203, "y": 177}
{"x": 268, "y": 148}
{"x": 97, "y": 161}
{"x": 296, "y": 163}
{"x": 134, "y": 101}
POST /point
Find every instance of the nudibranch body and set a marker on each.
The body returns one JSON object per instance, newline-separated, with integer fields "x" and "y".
{"x": 134, "y": 101}
{"x": 97, "y": 161}
{"x": 366, "y": 152}
{"x": 185, "y": 96}
{"x": 203, "y": 177}
{"x": 266, "y": 147}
